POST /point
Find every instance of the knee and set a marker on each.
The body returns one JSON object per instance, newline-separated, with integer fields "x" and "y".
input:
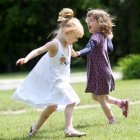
{"x": 107, "y": 98}
{"x": 101, "y": 99}
{"x": 52, "y": 109}
{"x": 49, "y": 111}
{"x": 70, "y": 105}
{"x": 94, "y": 97}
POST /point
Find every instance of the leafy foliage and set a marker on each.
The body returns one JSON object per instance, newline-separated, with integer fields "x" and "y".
{"x": 26, "y": 25}
{"x": 126, "y": 32}
{"x": 130, "y": 67}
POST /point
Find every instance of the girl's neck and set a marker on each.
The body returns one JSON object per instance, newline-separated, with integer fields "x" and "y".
{"x": 96, "y": 32}
{"x": 63, "y": 42}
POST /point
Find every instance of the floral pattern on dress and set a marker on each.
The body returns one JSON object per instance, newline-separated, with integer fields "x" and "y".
{"x": 63, "y": 60}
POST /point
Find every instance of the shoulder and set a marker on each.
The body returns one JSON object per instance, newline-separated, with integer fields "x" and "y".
{"x": 51, "y": 45}
{"x": 97, "y": 37}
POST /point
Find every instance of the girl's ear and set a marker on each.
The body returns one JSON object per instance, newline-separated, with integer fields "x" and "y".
{"x": 67, "y": 32}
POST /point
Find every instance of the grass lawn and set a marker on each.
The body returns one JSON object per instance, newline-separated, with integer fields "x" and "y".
{"x": 90, "y": 120}
{"x": 22, "y": 75}
{"x": 129, "y": 89}
{"x": 16, "y": 75}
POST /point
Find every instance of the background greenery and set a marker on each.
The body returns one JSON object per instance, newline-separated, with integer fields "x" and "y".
{"x": 26, "y": 25}
{"x": 130, "y": 66}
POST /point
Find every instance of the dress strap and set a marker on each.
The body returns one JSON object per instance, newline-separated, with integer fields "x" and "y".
{"x": 60, "y": 46}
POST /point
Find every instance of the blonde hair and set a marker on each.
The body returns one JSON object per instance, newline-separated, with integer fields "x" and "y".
{"x": 67, "y": 20}
{"x": 103, "y": 18}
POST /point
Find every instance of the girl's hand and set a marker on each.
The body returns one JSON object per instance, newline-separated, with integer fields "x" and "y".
{"x": 77, "y": 53}
{"x": 74, "y": 54}
{"x": 21, "y": 61}
{"x": 110, "y": 36}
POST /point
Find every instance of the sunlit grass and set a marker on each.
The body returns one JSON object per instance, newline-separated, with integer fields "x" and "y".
{"x": 17, "y": 75}
{"x": 129, "y": 89}
{"x": 21, "y": 75}
{"x": 90, "y": 120}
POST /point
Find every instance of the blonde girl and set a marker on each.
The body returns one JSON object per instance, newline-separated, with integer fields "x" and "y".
{"x": 100, "y": 80}
{"x": 47, "y": 85}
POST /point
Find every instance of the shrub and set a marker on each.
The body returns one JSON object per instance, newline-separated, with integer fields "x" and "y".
{"x": 130, "y": 66}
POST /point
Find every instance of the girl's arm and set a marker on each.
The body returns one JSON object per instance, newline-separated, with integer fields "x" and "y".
{"x": 73, "y": 53}
{"x": 49, "y": 47}
{"x": 91, "y": 44}
{"x": 109, "y": 45}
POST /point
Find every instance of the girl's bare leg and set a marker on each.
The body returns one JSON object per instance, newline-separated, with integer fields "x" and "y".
{"x": 113, "y": 100}
{"x": 123, "y": 104}
{"x": 44, "y": 116}
{"x": 106, "y": 108}
{"x": 69, "y": 130}
{"x": 94, "y": 97}
{"x": 68, "y": 116}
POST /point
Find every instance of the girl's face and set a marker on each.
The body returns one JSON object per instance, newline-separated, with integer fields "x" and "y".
{"x": 71, "y": 37}
{"x": 93, "y": 25}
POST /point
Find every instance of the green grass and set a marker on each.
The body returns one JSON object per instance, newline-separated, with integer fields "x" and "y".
{"x": 17, "y": 75}
{"x": 90, "y": 120}
{"x": 129, "y": 89}
{"x": 7, "y": 103}
{"x": 21, "y": 75}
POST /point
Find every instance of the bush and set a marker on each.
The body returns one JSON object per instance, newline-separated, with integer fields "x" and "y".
{"x": 130, "y": 66}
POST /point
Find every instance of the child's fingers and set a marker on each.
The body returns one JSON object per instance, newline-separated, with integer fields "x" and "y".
{"x": 20, "y": 61}
{"x": 17, "y": 63}
{"x": 77, "y": 53}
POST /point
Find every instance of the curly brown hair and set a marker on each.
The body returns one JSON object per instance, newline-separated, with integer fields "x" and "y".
{"x": 103, "y": 18}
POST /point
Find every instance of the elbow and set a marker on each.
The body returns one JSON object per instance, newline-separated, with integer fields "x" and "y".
{"x": 37, "y": 52}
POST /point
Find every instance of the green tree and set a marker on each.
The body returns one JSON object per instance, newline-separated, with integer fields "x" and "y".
{"x": 127, "y": 31}
{"x": 26, "y": 24}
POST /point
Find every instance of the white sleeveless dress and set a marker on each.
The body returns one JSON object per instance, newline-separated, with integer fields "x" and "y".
{"x": 48, "y": 83}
